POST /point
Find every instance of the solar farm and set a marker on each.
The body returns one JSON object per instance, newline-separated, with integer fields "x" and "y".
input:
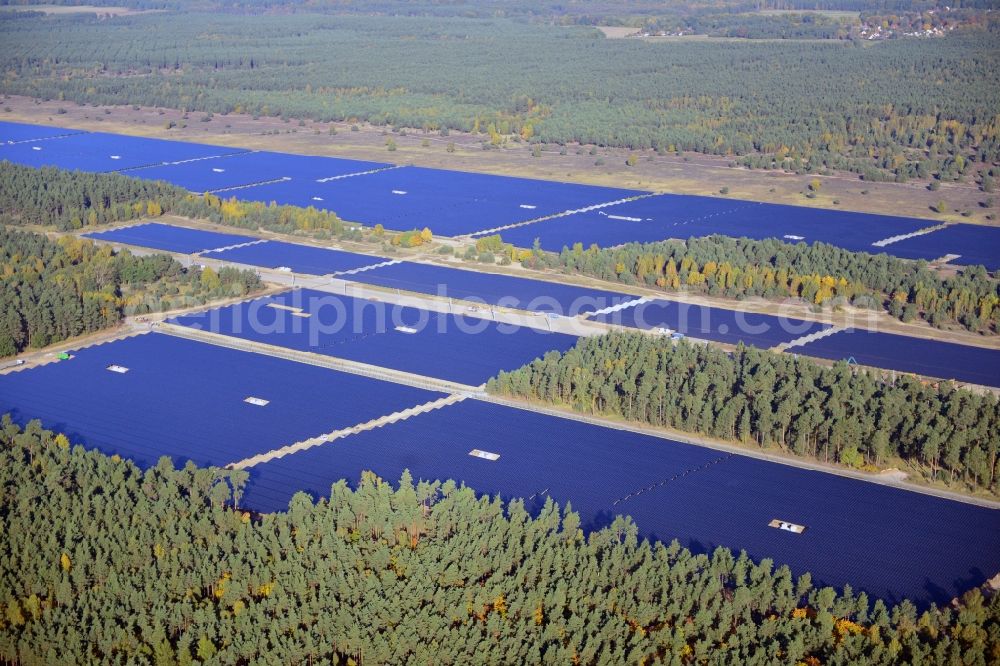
{"x": 169, "y": 238}
{"x": 457, "y": 204}
{"x": 665, "y": 216}
{"x": 888, "y": 351}
{"x": 932, "y": 358}
{"x": 492, "y": 289}
{"x": 298, "y": 427}
{"x": 100, "y": 152}
{"x": 240, "y": 170}
{"x": 306, "y": 387}
{"x": 939, "y": 359}
{"x": 715, "y": 324}
{"x": 11, "y": 133}
{"x": 702, "y": 497}
{"x": 420, "y": 342}
{"x": 452, "y": 203}
{"x": 154, "y": 395}
{"x": 306, "y": 259}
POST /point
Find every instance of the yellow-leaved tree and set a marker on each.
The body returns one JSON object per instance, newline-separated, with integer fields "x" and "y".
{"x": 209, "y": 279}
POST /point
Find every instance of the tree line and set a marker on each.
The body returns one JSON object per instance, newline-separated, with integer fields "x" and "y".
{"x": 885, "y": 110}
{"x": 54, "y": 290}
{"x": 71, "y": 200}
{"x": 834, "y": 414}
{"x": 104, "y": 562}
{"x": 817, "y": 273}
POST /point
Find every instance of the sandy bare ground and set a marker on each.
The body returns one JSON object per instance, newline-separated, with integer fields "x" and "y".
{"x": 688, "y": 174}
{"x": 617, "y": 31}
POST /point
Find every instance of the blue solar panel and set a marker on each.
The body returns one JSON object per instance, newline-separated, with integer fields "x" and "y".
{"x": 99, "y": 152}
{"x": 644, "y": 220}
{"x": 300, "y": 258}
{"x": 716, "y": 324}
{"x": 185, "y": 399}
{"x": 502, "y": 290}
{"x": 254, "y": 167}
{"x": 450, "y": 347}
{"x": 943, "y": 360}
{"x": 973, "y": 243}
{"x": 169, "y": 238}
{"x": 455, "y": 203}
{"x": 539, "y": 455}
{"x": 451, "y": 203}
{"x": 883, "y": 540}
{"x": 681, "y": 216}
{"x": 17, "y": 132}
{"x": 852, "y": 231}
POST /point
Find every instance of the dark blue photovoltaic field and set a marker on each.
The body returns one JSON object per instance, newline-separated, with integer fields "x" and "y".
{"x": 99, "y": 152}
{"x": 450, "y": 347}
{"x": 974, "y": 243}
{"x": 253, "y": 167}
{"x": 490, "y": 288}
{"x": 15, "y": 132}
{"x": 716, "y": 324}
{"x": 450, "y": 203}
{"x": 649, "y": 219}
{"x": 169, "y": 238}
{"x": 300, "y": 258}
{"x": 455, "y": 203}
{"x": 933, "y": 358}
{"x": 885, "y": 541}
{"x": 185, "y": 399}
{"x": 682, "y": 216}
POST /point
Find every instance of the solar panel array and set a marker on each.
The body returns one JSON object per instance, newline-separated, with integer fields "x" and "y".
{"x": 461, "y": 349}
{"x": 943, "y": 360}
{"x": 450, "y": 203}
{"x": 250, "y": 168}
{"x": 666, "y": 216}
{"x": 153, "y": 395}
{"x": 973, "y": 244}
{"x": 299, "y": 258}
{"x": 455, "y": 203}
{"x": 932, "y": 358}
{"x": 100, "y": 152}
{"x": 885, "y": 541}
{"x": 11, "y": 133}
{"x": 492, "y": 289}
{"x": 715, "y": 324}
{"x": 169, "y": 238}
{"x": 186, "y": 399}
